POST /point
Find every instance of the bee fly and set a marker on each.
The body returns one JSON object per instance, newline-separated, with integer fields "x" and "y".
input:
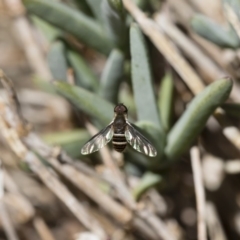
{"x": 121, "y": 132}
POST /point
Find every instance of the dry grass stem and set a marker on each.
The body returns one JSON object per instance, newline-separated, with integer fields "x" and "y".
{"x": 105, "y": 154}
{"x": 233, "y": 135}
{"x": 232, "y": 18}
{"x": 5, "y": 219}
{"x": 48, "y": 177}
{"x": 42, "y": 229}
{"x": 116, "y": 177}
{"x": 158, "y": 225}
{"x": 7, "y": 224}
{"x": 83, "y": 182}
{"x": 213, "y": 222}
{"x": 89, "y": 187}
{"x": 24, "y": 32}
{"x": 205, "y": 64}
{"x": 183, "y": 15}
{"x": 45, "y": 174}
{"x": 199, "y": 192}
{"x": 232, "y": 166}
{"x": 213, "y": 9}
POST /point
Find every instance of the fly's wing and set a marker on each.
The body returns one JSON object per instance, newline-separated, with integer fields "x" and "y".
{"x": 139, "y": 142}
{"x": 99, "y": 140}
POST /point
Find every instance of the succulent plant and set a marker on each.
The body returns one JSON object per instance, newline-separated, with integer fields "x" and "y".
{"x": 222, "y": 36}
{"x": 107, "y": 28}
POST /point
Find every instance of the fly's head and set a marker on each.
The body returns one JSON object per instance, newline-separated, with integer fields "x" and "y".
{"x": 121, "y": 109}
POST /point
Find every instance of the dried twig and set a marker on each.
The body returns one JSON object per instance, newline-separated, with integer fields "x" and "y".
{"x": 158, "y": 225}
{"x": 6, "y": 222}
{"x": 232, "y": 18}
{"x": 211, "y": 8}
{"x": 89, "y": 187}
{"x": 38, "y": 222}
{"x": 209, "y": 69}
{"x": 232, "y": 166}
{"x": 164, "y": 45}
{"x": 47, "y": 176}
{"x": 199, "y": 191}
{"x": 116, "y": 177}
{"x": 13, "y": 103}
{"x": 83, "y": 182}
{"x": 24, "y": 32}
{"x": 42, "y": 229}
{"x": 233, "y": 135}
{"x": 213, "y": 222}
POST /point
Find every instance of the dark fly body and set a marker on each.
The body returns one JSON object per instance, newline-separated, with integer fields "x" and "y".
{"x": 121, "y": 132}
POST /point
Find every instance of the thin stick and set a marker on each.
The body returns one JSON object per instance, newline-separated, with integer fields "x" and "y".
{"x": 210, "y": 70}
{"x": 38, "y": 222}
{"x": 89, "y": 187}
{"x": 199, "y": 192}
{"x": 232, "y": 18}
{"x": 6, "y": 222}
{"x": 106, "y": 156}
{"x": 232, "y": 166}
{"x": 42, "y": 229}
{"x": 83, "y": 182}
{"x": 233, "y": 135}
{"x": 46, "y": 175}
{"x": 24, "y": 32}
{"x": 49, "y": 177}
{"x": 116, "y": 177}
{"x": 213, "y": 222}
{"x": 158, "y": 225}
{"x": 164, "y": 45}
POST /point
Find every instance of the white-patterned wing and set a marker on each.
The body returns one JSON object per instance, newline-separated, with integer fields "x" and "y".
{"x": 139, "y": 142}
{"x": 99, "y": 140}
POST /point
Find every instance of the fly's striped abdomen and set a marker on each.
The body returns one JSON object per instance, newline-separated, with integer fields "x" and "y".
{"x": 119, "y": 142}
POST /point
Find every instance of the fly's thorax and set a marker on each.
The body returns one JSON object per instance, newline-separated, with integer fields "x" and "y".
{"x": 119, "y": 124}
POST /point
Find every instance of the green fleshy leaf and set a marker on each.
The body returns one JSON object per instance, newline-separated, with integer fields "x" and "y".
{"x": 96, "y": 8}
{"x": 155, "y": 136}
{"x": 137, "y": 158}
{"x": 57, "y": 61}
{"x": 49, "y": 31}
{"x": 157, "y": 139}
{"x": 117, "y": 6}
{"x": 61, "y": 138}
{"x": 132, "y": 169}
{"x": 112, "y": 76}
{"x": 114, "y": 22}
{"x": 84, "y": 75}
{"x": 88, "y": 102}
{"x": 232, "y": 109}
{"x": 44, "y": 85}
{"x": 70, "y": 141}
{"x": 126, "y": 97}
{"x": 235, "y": 4}
{"x": 165, "y": 101}
{"x": 145, "y": 5}
{"x": 142, "y": 79}
{"x": 156, "y": 4}
{"x": 72, "y": 21}
{"x": 207, "y": 28}
{"x": 194, "y": 118}
{"x": 83, "y": 6}
{"x": 149, "y": 180}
